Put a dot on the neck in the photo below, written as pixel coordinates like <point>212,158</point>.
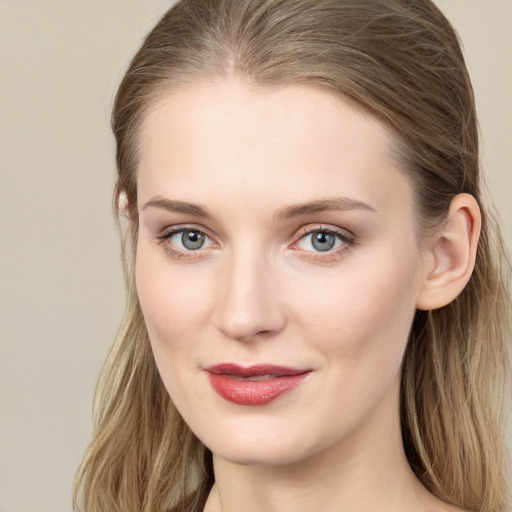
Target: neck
<point>366,471</point>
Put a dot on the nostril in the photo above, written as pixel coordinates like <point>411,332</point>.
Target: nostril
<point>254,324</point>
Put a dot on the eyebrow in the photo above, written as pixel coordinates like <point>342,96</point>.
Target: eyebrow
<point>324,205</point>
<point>297,210</point>
<point>178,207</point>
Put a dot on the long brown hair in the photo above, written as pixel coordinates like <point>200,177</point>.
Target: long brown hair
<point>399,60</point>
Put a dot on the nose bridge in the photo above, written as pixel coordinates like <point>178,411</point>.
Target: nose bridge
<point>249,301</point>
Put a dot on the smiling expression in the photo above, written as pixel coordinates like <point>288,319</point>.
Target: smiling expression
<point>275,230</point>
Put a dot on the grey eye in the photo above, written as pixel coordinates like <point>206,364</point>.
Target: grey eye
<point>192,239</point>
<point>323,240</point>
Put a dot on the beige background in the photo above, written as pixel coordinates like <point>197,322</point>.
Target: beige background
<point>61,291</point>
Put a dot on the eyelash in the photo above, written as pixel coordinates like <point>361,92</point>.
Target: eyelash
<point>345,237</point>
<point>177,253</point>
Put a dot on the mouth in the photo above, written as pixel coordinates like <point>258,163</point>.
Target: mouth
<point>254,385</point>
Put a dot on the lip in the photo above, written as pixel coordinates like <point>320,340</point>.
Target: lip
<point>267,382</point>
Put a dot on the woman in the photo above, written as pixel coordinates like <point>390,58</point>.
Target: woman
<point>317,314</point>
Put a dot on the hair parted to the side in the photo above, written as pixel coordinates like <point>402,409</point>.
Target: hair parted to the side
<point>401,61</point>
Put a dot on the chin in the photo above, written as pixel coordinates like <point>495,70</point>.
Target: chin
<point>258,456</point>
<point>265,447</point>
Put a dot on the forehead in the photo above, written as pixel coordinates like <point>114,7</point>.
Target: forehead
<point>229,140</point>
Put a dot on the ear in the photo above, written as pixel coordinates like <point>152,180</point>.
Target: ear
<point>122,204</point>
<point>123,207</point>
<point>451,254</point>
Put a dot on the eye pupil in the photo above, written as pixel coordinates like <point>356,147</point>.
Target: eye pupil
<point>192,240</point>
<point>323,241</point>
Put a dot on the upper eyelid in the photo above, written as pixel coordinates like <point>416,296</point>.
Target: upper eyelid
<point>307,230</point>
<point>166,234</point>
<point>172,230</point>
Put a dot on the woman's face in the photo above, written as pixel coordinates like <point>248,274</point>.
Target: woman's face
<point>278,268</point>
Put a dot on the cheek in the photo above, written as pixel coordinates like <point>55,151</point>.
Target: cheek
<point>175,305</point>
<point>175,302</point>
<point>359,323</point>
<point>364,315</point>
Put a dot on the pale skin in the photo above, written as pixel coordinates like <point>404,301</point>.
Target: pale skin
<point>255,171</point>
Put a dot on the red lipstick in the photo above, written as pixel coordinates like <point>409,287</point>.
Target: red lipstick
<point>253,385</point>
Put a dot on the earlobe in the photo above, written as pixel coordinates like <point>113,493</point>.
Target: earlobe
<point>452,251</point>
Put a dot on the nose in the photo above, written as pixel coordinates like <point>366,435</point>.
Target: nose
<point>249,304</point>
